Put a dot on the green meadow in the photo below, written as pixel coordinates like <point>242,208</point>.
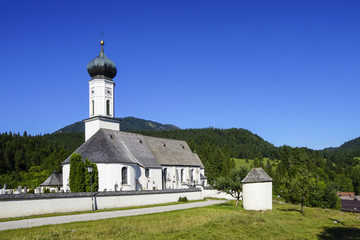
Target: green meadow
<point>249,163</point>
<point>224,221</point>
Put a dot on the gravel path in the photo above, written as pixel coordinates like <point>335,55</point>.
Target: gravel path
<point>27,223</point>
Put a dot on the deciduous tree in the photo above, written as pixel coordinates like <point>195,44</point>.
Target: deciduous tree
<point>231,184</point>
<point>299,187</point>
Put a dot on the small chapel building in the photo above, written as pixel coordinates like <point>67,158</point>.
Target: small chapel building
<point>128,161</point>
<point>257,190</point>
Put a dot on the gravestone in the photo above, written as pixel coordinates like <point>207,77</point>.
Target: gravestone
<point>25,190</point>
<point>19,189</point>
<point>38,190</point>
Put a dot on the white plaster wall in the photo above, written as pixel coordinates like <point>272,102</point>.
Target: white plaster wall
<point>109,125</point>
<point>197,172</point>
<point>148,199</point>
<point>175,182</point>
<point>213,193</point>
<point>100,87</point>
<point>196,175</point>
<point>66,176</point>
<point>170,178</point>
<point>153,181</point>
<point>257,196</point>
<point>185,180</point>
<point>110,174</point>
<point>22,208</point>
<point>156,178</point>
<point>204,183</point>
<point>93,125</point>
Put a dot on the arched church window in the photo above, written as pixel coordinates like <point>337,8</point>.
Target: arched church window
<point>108,107</point>
<point>124,177</point>
<point>92,107</point>
<point>165,172</point>
<point>147,172</point>
<point>164,178</point>
<point>182,175</point>
<point>192,175</point>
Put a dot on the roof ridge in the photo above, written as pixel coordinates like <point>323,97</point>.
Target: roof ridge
<point>167,139</point>
<point>257,175</point>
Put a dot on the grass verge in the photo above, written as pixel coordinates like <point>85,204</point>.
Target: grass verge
<point>102,210</point>
<point>224,221</point>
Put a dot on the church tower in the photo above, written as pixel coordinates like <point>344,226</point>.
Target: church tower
<point>101,95</point>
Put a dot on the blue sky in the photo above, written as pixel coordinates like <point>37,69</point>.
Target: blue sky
<point>288,71</point>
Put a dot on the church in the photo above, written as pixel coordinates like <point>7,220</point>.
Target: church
<point>128,161</point>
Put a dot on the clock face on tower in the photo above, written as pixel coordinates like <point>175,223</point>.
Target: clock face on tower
<point>92,92</point>
<point>108,92</point>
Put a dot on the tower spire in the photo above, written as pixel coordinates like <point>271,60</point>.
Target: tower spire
<point>101,95</point>
<point>102,43</point>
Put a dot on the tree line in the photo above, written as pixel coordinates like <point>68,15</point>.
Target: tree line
<point>28,160</point>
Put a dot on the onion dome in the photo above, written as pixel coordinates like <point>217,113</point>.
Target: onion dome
<point>101,65</point>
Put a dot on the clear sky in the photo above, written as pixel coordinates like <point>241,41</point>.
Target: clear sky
<point>288,71</point>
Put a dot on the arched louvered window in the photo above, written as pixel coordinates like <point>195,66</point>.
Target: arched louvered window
<point>124,175</point>
<point>92,107</point>
<point>182,175</point>
<point>192,175</point>
<point>108,108</point>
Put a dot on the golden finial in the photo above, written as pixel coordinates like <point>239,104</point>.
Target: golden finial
<point>102,37</point>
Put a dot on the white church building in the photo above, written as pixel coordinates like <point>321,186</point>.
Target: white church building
<point>128,161</point>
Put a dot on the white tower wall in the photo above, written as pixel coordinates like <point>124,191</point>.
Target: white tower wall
<point>101,106</point>
<point>101,97</point>
<point>92,125</point>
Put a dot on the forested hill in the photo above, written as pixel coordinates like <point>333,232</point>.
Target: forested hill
<point>239,143</point>
<point>29,160</point>
<point>349,146</point>
<point>126,124</point>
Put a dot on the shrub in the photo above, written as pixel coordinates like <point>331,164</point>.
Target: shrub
<point>47,190</point>
<point>183,199</point>
<point>77,174</point>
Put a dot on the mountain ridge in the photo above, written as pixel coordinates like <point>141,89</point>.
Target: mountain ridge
<point>130,124</point>
<point>126,124</point>
<point>351,145</point>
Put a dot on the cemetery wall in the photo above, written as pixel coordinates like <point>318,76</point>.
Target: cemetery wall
<point>213,193</point>
<point>21,205</point>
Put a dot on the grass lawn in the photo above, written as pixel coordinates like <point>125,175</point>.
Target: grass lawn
<point>243,163</point>
<point>223,221</point>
